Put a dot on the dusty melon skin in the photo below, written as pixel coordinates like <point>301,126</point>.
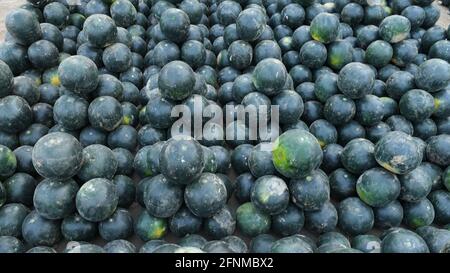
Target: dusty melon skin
<point>356,80</point>
<point>100,30</point>
<point>270,194</point>
<point>54,199</point>
<point>397,152</point>
<point>162,198</point>
<point>79,74</point>
<point>97,199</point>
<point>296,153</point>
<point>18,114</point>
<point>58,156</point>
<point>394,28</point>
<point>10,244</point>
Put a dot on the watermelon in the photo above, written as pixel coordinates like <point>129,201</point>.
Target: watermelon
<point>397,152</point>
<point>296,153</point>
<point>324,28</point>
<point>394,28</point>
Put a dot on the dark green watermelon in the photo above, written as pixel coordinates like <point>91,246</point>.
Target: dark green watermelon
<point>161,198</point>
<point>367,243</point>
<point>324,131</point>
<point>39,231</point>
<point>55,199</point>
<point>324,28</point>
<point>24,159</point>
<point>97,199</point>
<point>105,113</point>
<point>342,183</point>
<point>124,13</point>
<point>20,188</point>
<point>438,240</point>
<point>148,135</point>
<point>433,75</point>
<point>416,184</point>
<point>221,224</point>
<point>8,161</point>
<point>125,189</point>
<point>270,194</point>
<point>339,54</point>
<point>394,28</point>
<point>149,228</point>
<point>296,153</point>
<point>403,241</point>
<point>311,192</point>
<point>146,162</point>
<point>291,244</point>
<point>262,243</point>
<point>379,53</point>
<point>182,160</point>
<point>71,112</point>
<point>18,114</point>
<point>441,202</point>
<point>58,156</point>
<point>98,162</point>
<point>377,187</point>
<point>240,54</point>
<point>183,222</point>
<point>352,13</point>
<point>355,217</point>
<point>124,136</point>
<point>437,150</point>
<point>83,248</point>
<point>192,240</point>
<point>174,24</point>
<point>250,24</point>
<point>322,220</point>
<point>176,87</point>
<point>6,80</point>
<point>358,156</point>
<point>10,244</point>
<point>251,221</point>
<point>158,112</point>
<point>339,109</point>
<point>11,219</point>
<point>41,249</point>
<point>120,246</point>
<point>76,228</point>
<point>269,76</point>
<point>23,26</point>
<point>206,195</point>
<point>118,226</point>
<point>356,80</point>
<point>397,152</point>
<point>416,105</point>
<point>313,54</point>
<point>43,54</point>
<point>389,216</point>
<point>418,214</point>
<point>405,52</point>
<point>78,74</point>
<point>117,58</point>
<point>325,86</point>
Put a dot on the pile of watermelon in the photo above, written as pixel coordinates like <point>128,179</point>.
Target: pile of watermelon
<point>358,160</point>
